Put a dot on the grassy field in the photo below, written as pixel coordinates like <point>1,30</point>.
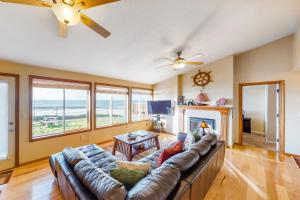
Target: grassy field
<point>40,129</point>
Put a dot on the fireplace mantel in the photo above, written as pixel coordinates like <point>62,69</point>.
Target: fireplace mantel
<point>221,109</point>
<point>224,112</point>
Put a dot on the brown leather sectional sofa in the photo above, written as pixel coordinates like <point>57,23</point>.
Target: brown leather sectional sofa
<point>193,184</point>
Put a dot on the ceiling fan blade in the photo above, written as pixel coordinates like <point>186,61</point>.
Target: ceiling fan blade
<point>62,29</point>
<point>169,59</point>
<point>29,2</point>
<point>85,4</point>
<point>196,55</point>
<point>194,63</point>
<point>163,66</point>
<point>93,25</point>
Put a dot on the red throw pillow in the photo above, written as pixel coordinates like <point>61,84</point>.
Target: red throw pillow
<point>169,152</point>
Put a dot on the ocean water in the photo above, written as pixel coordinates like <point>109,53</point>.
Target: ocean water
<point>73,107</point>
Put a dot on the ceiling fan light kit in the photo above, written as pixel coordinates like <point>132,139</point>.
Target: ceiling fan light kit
<point>180,62</point>
<point>68,13</point>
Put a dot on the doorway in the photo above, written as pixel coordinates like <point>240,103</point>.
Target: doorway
<point>9,114</point>
<point>261,113</point>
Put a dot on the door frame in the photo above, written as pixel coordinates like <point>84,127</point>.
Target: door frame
<point>281,84</point>
<point>17,81</point>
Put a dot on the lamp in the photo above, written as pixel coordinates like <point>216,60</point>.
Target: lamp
<point>203,125</point>
<point>66,14</point>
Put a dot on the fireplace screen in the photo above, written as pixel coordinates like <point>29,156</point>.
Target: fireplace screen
<point>195,123</point>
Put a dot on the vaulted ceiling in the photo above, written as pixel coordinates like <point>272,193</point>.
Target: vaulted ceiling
<point>144,32</point>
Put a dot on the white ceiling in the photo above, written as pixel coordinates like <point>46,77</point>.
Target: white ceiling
<point>143,32</point>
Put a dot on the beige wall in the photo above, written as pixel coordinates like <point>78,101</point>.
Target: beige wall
<point>222,85</point>
<point>34,150</point>
<point>274,62</point>
<point>254,106</point>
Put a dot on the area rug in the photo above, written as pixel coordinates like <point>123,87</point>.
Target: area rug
<point>297,159</point>
<point>5,176</point>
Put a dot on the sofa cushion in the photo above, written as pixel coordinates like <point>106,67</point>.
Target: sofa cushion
<point>211,138</point>
<point>73,156</point>
<point>127,176</point>
<point>157,185</point>
<point>145,167</point>
<point>98,182</point>
<point>185,160</point>
<point>169,152</point>
<point>152,159</point>
<point>202,147</point>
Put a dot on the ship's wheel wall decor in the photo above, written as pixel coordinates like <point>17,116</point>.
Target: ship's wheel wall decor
<point>202,78</point>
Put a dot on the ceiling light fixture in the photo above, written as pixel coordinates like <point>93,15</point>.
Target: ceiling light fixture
<point>66,13</point>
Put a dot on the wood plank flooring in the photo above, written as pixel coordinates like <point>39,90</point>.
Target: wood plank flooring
<point>248,173</point>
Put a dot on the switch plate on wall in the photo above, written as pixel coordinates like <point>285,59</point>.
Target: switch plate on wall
<point>298,114</point>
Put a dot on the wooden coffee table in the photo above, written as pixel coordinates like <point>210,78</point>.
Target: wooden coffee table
<point>125,145</point>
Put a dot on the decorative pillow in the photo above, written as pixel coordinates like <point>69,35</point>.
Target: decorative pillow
<point>128,177</point>
<point>98,182</point>
<point>181,137</point>
<point>169,152</point>
<point>145,167</point>
<point>73,156</point>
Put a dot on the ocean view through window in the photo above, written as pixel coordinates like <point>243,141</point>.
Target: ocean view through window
<point>139,107</point>
<point>111,105</point>
<point>59,107</point>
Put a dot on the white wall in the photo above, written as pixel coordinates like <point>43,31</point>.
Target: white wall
<point>254,106</point>
<point>274,62</point>
<point>271,113</point>
<point>168,90</point>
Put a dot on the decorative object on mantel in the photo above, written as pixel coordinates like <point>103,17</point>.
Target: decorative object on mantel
<point>202,79</point>
<point>181,100</point>
<point>202,99</point>
<point>221,102</point>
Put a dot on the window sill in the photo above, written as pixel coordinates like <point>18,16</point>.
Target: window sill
<point>34,139</point>
<point>110,126</point>
<point>144,120</point>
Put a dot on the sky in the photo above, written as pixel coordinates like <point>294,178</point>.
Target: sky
<point>57,94</point>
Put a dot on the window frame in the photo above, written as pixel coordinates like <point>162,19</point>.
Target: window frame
<point>138,88</point>
<point>95,106</point>
<point>31,138</point>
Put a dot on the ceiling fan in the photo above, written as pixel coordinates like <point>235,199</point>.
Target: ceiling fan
<point>180,62</point>
<point>68,13</point>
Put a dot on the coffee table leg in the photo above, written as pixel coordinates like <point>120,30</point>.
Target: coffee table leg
<point>129,152</point>
<point>157,143</point>
<point>114,147</point>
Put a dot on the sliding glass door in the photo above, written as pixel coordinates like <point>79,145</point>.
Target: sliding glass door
<point>7,122</point>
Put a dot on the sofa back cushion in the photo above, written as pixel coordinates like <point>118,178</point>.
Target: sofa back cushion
<point>210,138</point>
<point>185,160</point>
<point>157,185</point>
<point>73,156</point>
<point>98,182</point>
<point>202,147</point>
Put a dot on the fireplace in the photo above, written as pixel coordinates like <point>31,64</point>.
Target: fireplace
<point>195,122</point>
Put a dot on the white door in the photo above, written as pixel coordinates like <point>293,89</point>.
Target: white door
<point>277,117</point>
<point>7,122</point>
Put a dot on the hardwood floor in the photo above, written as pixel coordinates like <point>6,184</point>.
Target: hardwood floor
<point>248,173</point>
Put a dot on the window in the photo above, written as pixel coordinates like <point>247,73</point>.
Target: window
<point>59,107</point>
<point>111,105</point>
<point>139,107</point>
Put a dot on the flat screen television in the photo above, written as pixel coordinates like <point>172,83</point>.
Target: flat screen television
<point>159,107</point>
